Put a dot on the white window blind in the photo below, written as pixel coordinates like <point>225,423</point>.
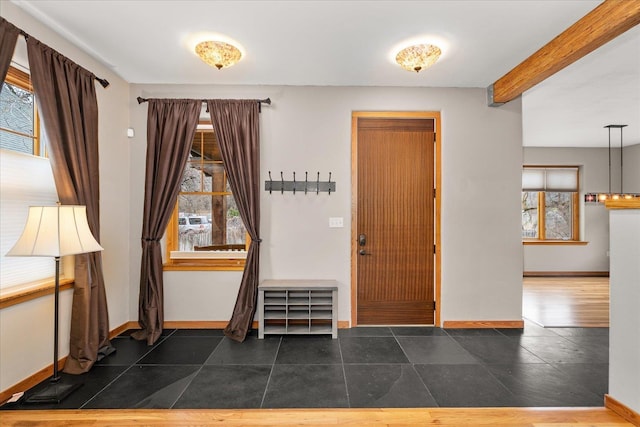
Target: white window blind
<point>25,180</point>
<point>559,179</point>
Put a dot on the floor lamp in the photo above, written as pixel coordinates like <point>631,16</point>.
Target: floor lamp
<point>55,231</point>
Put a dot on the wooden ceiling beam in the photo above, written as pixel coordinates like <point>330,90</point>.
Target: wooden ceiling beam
<point>604,23</point>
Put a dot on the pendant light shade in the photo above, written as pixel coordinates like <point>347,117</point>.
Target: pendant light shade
<point>603,197</point>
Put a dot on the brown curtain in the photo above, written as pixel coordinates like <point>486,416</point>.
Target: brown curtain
<point>8,38</point>
<point>69,109</point>
<point>171,126</point>
<point>236,124</point>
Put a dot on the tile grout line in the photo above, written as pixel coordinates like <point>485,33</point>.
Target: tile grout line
<point>273,365</point>
<point>344,373</point>
<point>150,349</point>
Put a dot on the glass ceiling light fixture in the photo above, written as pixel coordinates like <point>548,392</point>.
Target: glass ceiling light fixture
<point>418,57</point>
<point>218,54</point>
<point>603,197</point>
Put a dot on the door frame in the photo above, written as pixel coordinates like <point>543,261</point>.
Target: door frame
<point>355,115</point>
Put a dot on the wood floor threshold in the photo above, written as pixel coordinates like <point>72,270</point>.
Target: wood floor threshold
<point>443,417</point>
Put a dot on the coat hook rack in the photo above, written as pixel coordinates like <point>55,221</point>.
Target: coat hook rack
<point>306,185</point>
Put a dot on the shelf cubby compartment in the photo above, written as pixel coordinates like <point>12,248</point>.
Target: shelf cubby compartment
<point>297,307</point>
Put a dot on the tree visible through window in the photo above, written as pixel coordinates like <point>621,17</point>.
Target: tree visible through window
<point>18,114</point>
<point>550,203</point>
<point>207,216</point>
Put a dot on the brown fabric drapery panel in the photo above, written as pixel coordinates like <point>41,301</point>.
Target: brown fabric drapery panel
<point>69,109</point>
<point>8,39</point>
<point>171,126</point>
<point>236,124</point>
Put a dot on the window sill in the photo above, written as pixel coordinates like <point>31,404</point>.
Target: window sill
<point>19,294</point>
<point>200,255</point>
<point>555,242</point>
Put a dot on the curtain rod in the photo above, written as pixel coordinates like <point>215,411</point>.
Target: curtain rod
<point>103,82</point>
<point>261,101</point>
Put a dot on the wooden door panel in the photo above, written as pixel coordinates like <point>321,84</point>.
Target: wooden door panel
<point>395,213</point>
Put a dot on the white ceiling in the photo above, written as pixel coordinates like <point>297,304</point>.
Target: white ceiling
<point>352,43</point>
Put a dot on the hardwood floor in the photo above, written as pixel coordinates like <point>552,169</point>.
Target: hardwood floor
<point>566,301</point>
<point>496,417</point>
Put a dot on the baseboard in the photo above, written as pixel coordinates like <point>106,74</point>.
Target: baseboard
<point>31,381</point>
<point>621,409</point>
<point>565,274</point>
<point>483,324</point>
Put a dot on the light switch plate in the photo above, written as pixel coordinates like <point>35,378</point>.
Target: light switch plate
<point>336,222</point>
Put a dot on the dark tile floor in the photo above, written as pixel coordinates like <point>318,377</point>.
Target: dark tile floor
<point>364,367</point>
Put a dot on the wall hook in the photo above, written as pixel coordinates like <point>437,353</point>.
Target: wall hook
<point>282,180</point>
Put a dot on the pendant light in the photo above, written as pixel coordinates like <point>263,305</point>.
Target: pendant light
<point>603,197</point>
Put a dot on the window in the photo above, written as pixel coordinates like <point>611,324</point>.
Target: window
<point>19,124</point>
<point>26,180</point>
<point>550,204</point>
<point>206,231</point>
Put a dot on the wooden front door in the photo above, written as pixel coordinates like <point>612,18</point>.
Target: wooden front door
<point>394,232</point>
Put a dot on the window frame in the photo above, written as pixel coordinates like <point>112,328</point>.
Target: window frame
<point>575,211</point>
<point>27,291</point>
<point>22,80</point>
<point>200,260</point>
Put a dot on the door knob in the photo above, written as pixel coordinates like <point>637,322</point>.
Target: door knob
<point>363,252</point>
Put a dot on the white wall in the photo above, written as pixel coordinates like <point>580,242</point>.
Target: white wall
<point>26,343</point>
<point>631,169</point>
<point>594,218</point>
<point>624,339</point>
<point>309,129</point>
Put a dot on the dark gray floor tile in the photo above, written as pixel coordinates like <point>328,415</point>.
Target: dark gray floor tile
<point>434,350</point>
<point>128,351</point>
<point>571,332</point>
<point>417,331</point>
<point>198,333</point>
<point>497,350</point>
<point>560,350</point>
<point>306,386</point>
<point>308,350</point>
<point>181,350</point>
<point>543,385</point>
<point>252,351</point>
<point>371,350</point>
<point>475,332</point>
<point>155,387</point>
<point>530,329</point>
<point>592,376</point>
<point>386,386</point>
<point>597,346</point>
<point>91,383</point>
<point>237,386</point>
<point>464,386</point>
<point>365,331</point>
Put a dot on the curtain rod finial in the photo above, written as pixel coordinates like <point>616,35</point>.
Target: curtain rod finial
<point>103,82</point>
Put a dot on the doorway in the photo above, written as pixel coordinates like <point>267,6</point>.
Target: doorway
<point>395,218</point>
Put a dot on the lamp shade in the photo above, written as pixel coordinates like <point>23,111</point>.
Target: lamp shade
<point>55,231</point>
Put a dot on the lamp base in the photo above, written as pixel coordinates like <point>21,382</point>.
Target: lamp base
<point>53,393</point>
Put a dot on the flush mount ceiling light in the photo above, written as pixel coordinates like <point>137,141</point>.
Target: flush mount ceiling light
<point>418,57</point>
<point>218,54</point>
